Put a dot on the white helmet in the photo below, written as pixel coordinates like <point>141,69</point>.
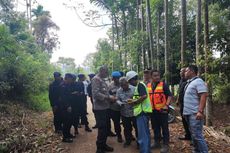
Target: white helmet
<point>130,75</point>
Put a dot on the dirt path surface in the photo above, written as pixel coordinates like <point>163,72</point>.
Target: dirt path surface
<point>85,142</point>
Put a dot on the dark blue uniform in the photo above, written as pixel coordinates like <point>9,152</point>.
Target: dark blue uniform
<point>66,102</point>
<point>82,101</point>
<point>54,97</point>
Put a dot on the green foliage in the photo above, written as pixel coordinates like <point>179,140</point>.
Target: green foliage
<point>25,69</point>
<point>39,102</point>
<point>221,94</point>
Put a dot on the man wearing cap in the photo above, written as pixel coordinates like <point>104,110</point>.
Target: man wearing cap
<point>83,102</point>
<point>89,91</point>
<point>141,107</point>
<point>147,76</point>
<point>66,106</point>
<point>54,97</point>
<point>114,110</point>
<point>101,102</point>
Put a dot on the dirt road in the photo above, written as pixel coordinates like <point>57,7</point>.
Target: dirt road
<point>85,142</point>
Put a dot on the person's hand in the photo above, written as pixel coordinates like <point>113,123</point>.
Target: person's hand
<point>112,98</point>
<point>199,116</point>
<point>69,109</point>
<point>132,102</point>
<point>166,107</point>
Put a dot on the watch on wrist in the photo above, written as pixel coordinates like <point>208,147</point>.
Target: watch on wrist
<point>200,111</point>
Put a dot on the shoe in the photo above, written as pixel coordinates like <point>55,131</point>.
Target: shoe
<point>126,144</point>
<point>76,132</point>
<point>155,145</point>
<point>72,136</point>
<point>94,127</point>
<point>79,126</point>
<point>133,138</point>
<point>100,151</point>
<point>87,129</point>
<point>164,149</point>
<point>111,134</point>
<point>138,146</point>
<point>67,140</point>
<point>108,148</point>
<point>184,138</point>
<point>119,139</point>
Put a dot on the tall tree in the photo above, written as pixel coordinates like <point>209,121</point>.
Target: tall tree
<point>198,33</point>
<point>143,49</point>
<point>183,30</point>
<point>206,50</point>
<point>150,32</point>
<point>158,37</point>
<point>166,41</point>
<point>44,30</point>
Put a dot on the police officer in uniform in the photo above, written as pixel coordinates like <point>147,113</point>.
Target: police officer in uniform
<point>54,97</point>
<point>66,106</point>
<point>83,102</point>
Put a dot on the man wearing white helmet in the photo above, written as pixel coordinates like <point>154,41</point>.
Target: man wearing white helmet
<point>141,108</point>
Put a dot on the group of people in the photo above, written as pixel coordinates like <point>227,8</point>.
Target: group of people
<point>68,99</point>
<point>133,104</point>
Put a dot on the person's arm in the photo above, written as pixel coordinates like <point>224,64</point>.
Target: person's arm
<point>168,93</point>
<point>51,99</point>
<point>200,113</point>
<point>96,92</point>
<point>202,91</point>
<point>142,93</point>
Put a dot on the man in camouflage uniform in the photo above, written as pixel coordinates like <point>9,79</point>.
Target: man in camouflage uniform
<point>101,102</point>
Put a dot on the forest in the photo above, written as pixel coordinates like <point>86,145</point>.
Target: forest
<point>165,35</point>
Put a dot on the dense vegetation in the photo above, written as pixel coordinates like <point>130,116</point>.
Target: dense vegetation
<point>25,53</point>
<point>162,35</point>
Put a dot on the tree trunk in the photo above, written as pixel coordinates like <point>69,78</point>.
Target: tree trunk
<point>124,37</point>
<point>138,29</point>
<point>209,104</point>
<point>113,40</point>
<point>158,35</point>
<point>183,31</point>
<point>198,33</point>
<point>118,42</point>
<point>149,30</point>
<point>166,41</point>
<point>142,30</point>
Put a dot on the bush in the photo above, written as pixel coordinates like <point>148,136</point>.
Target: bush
<point>38,102</point>
<point>222,93</point>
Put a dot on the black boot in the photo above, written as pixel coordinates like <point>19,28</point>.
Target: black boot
<point>87,129</point>
<point>108,149</point>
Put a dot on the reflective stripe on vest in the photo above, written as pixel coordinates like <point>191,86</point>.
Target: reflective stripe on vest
<point>144,106</point>
<point>158,98</point>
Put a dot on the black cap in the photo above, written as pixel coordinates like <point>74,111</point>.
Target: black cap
<point>91,75</point>
<point>57,74</point>
<point>68,75</point>
<point>81,75</point>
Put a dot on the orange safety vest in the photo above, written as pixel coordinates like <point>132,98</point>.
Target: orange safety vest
<point>157,97</point>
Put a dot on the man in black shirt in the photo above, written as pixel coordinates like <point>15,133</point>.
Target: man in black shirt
<point>180,101</point>
<point>83,102</point>
<point>54,97</point>
<point>160,98</point>
<point>67,100</point>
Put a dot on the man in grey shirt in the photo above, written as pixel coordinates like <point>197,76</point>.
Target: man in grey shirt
<point>101,102</point>
<point>129,121</point>
<point>114,111</point>
<point>195,93</point>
